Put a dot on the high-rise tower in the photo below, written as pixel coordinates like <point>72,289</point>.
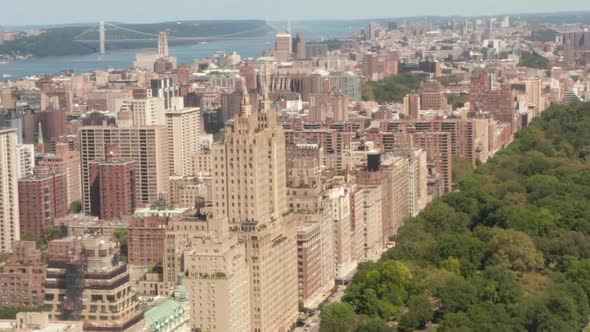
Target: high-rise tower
<point>9,216</point>
<point>250,193</point>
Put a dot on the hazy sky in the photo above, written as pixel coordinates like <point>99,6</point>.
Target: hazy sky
<point>23,12</point>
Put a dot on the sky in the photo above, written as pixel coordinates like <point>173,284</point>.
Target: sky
<point>39,12</point>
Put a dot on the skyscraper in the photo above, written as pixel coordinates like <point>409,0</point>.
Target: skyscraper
<point>299,47</point>
<point>141,112</point>
<point>283,46</point>
<point>9,213</point>
<point>165,88</point>
<point>26,159</point>
<point>183,140</point>
<point>145,145</point>
<point>250,191</point>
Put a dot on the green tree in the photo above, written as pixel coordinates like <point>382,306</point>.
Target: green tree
<point>457,100</point>
<point>461,168</point>
<point>122,238</point>
<point>380,290</point>
<point>498,285</point>
<point>421,311</point>
<point>533,60</point>
<point>456,322</point>
<point>540,186</point>
<point>448,80</point>
<point>515,250</point>
<point>338,317</point>
<point>391,89</point>
<point>452,264</point>
<point>456,295</point>
<point>76,207</point>
<point>374,325</point>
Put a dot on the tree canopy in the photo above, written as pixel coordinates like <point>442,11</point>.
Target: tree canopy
<point>533,60</point>
<point>391,89</point>
<point>508,251</point>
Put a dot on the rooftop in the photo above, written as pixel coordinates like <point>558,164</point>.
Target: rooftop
<point>162,313</point>
<point>8,325</point>
<point>161,212</point>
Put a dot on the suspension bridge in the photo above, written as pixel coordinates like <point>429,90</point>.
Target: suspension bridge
<point>128,35</point>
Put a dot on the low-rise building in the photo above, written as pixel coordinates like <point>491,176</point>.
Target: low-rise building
<point>22,278</point>
<point>86,281</point>
<point>38,322</point>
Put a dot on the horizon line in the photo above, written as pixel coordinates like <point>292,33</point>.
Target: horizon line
<point>567,12</point>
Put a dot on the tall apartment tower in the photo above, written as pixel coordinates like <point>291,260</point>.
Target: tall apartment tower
<point>283,46</point>
<point>64,161</point>
<point>26,159</point>
<point>250,185</point>
<point>112,185</point>
<point>9,213</point>
<point>41,200</point>
<point>299,47</point>
<point>141,112</point>
<point>165,88</point>
<point>283,42</point>
<point>145,145</point>
<point>412,106</point>
<point>183,140</point>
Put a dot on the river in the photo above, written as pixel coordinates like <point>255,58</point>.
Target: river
<point>124,58</point>
<point>312,30</point>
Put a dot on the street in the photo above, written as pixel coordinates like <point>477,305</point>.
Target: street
<point>312,323</point>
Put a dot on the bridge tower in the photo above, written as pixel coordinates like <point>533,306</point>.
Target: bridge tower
<point>101,37</point>
<point>163,44</point>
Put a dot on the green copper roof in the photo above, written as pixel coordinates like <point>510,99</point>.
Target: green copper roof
<point>164,315</point>
<point>181,293</point>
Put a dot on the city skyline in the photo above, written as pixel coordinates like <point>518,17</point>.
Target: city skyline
<point>383,174</point>
<point>39,12</point>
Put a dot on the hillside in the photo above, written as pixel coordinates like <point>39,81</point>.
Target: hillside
<point>508,251</point>
<point>60,41</point>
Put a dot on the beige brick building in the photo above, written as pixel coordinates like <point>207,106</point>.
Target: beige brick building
<point>216,275</point>
<point>250,190</point>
